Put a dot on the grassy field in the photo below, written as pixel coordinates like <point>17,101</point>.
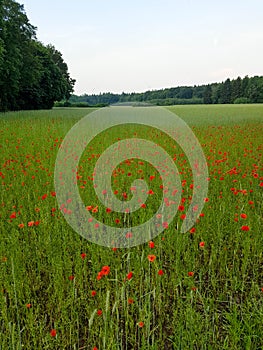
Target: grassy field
<point>199,290</point>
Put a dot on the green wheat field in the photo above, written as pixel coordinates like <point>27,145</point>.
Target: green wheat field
<point>202,289</point>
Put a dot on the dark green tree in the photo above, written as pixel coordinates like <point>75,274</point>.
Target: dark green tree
<point>208,95</point>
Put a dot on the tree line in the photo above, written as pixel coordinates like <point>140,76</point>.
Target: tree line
<point>246,90</point>
<point>32,75</point>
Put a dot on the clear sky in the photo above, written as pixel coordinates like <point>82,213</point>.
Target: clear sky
<point>116,46</point>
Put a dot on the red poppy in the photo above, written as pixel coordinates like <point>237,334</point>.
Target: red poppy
<point>160,272</point>
<point>165,224</point>
<point>192,230</point>
<point>201,244</point>
<point>105,270</point>
<point>53,333</point>
<point>99,312</point>
<point>243,216</point>
<point>190,273</point>
<point>93,293</point>
<point>83,256</point>
<point>28,306</point>
<point>245,228</point>
<point>129,275</point>
<point>151,244</point>
<point>151,257</point>
<point>141,324</point>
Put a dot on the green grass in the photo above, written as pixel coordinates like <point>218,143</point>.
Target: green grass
<point>219,306</point>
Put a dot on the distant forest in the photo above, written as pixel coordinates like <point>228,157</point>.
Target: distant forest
<point>246,90</point>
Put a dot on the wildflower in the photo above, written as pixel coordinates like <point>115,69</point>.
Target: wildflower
<point>141,324</point>
<point>53,333</point>
<point>93,293</point>
<point>192,230</point>
<point>245,228</point>
<point>243,216</point>
<point>160,272</point>
<point>165,224</point>
<point>71,278</point>
<point>83,256</point>
<point>21,225</point>
<point>99,276</point>
<point>30,223</point>
<point>105,270</point>
<point>129,275</point>
<point>201,244</point>
<point>151,257</point>
<point>99,312</point>
<point>28,306</point>
<point>190,273</point>
<point>150,192</point>
<point>151,244</point>
<point>13,216</point>
<point>130,301</point>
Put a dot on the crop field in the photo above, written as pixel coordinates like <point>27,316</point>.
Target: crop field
<point>201,289</point>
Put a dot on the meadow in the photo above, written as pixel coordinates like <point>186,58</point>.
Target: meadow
<point>202,289</point>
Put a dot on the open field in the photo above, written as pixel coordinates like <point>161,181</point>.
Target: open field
<point>199,290</point>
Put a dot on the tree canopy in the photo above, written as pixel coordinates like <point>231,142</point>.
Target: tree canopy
<point>32,75</point>
<point>246,90</point>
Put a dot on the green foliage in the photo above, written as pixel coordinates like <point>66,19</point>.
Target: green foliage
<point>218,306</point>
<point>225,92</point>
<point>32,76</point>
<point>241,100</point>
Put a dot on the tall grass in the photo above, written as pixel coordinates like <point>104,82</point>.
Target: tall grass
<point>189,297</point>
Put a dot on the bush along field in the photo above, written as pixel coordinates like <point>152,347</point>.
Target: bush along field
<point>202,289</point>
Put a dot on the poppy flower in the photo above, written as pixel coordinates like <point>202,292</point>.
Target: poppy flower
<point>151,257</point>
<point>83,256</point>
<point>243,216</point>
<point>245,228</point>
<point>160,272</point>
<point>190,273</point>
<point>99,312</point>
<point>129,275</point>
<point>201,244</point>
<point>53,333</point>
<point>105,270</point>
<point>165,224</point>
<point>130,301</point>
<point>93,293</point>
<point>151,244</point>
<point>13,216</point>
<point>141,324</point>
<point>28,306</point>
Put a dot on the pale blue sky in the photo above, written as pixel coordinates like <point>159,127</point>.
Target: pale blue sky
<point>112,45</point>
